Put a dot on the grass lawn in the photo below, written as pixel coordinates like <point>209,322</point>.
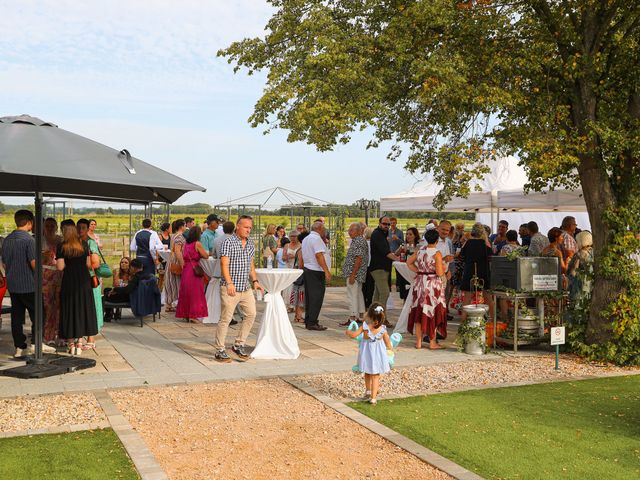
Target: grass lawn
<point>570,430</point>
<point>89,455</point>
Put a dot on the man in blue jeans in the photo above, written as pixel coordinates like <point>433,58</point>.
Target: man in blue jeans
<point>19,259</point>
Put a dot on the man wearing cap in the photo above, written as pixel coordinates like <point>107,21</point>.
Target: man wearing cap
<point>208,237</point>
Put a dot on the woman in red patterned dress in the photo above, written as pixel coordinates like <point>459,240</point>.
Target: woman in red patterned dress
<point>429,307</point>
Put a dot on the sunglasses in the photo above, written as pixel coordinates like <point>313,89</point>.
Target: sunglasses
<point>386,224</point>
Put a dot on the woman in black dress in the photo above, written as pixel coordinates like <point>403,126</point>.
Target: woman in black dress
<point>77,304</point>
<point>475,254</point>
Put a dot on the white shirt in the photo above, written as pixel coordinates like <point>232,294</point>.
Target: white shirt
<point>154,242</point>
<point>445,248</point>
<point>311,245</point>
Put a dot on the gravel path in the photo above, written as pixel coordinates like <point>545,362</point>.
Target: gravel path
<point>259,430</point>
<point>45,411</point>
<point>456,376</point>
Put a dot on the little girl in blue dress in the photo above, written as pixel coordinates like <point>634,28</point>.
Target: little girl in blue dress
<point>372,354</point>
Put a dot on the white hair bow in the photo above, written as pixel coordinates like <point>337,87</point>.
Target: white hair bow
<point>378,309</point>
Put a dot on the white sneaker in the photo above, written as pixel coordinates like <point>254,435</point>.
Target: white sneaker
<point>20,352</point>
<point>48,348</point>
<point>45,349</point>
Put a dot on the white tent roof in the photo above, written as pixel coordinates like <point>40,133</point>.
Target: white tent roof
<point>556,200</point>
<point>505,174</point>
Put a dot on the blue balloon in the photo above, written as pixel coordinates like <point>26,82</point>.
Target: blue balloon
<point>395,338</point>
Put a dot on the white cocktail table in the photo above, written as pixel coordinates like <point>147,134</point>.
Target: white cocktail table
<point>276,339</point>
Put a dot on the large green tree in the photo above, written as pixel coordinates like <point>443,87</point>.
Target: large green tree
<point>449,84</point>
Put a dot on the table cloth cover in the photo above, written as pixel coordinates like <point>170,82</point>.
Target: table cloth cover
<point>409,276</point>
<point>165,254</point>
<point>212,294</point>
<point>276,339</point>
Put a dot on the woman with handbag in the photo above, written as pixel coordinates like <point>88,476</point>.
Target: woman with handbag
<point>191,300</point>
<point>77,302</point>
<point>297,288</point>
<point>100,270</point>
<point>173,271</point>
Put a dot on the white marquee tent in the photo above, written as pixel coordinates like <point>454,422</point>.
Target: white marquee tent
<point>505,174</point>
<point>499,195</point>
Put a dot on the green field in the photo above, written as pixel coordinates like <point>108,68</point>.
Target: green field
<point>114,230</point>
<point>582,430</point>
<point>119,224</point>
<point>87,455</point>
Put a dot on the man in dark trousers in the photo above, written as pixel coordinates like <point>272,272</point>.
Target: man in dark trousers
<point>316,275</point>
<point>146,244</point>
<point>381,260</point>
<point>19,258</point>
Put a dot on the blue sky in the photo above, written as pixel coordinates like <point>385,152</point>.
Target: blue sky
<point>143,75</point>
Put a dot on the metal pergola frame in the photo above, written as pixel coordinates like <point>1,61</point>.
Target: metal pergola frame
<point>296,201</point>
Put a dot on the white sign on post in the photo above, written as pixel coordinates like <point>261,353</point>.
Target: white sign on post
<point>557,336</point>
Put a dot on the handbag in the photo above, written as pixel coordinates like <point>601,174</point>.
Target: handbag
<point>175,268</point>
<point>198,271</point>
<point>267,253</point>
<point>298,282</point>
<point>103,271</point>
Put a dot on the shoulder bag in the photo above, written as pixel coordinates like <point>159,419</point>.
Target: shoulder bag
<point>175,267</point>
<point>298,282</point>
<point>103,271</point>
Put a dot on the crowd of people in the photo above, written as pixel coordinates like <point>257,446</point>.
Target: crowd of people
<point>448,261</point>
<point>72,304</point>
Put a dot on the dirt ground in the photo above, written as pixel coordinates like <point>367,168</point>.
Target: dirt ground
<point>259,430</point>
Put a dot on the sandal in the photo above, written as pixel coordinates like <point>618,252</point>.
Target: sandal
<point>299,320</point>
<point>88,346</point>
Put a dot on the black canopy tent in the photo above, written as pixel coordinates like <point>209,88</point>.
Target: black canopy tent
<point>37,158</point>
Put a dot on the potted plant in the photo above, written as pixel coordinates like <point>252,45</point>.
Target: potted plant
<point>527,319</point>
<point>472,333</point>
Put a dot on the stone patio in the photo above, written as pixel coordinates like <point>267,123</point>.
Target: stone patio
<point>171,351</point>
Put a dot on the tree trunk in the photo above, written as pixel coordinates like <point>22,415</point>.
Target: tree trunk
<point>599,197</point>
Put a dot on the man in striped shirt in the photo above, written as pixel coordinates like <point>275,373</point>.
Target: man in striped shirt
<point>19,259</point>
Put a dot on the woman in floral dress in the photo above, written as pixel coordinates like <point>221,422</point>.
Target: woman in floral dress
<point>51,280</point>
<point>428,313</point>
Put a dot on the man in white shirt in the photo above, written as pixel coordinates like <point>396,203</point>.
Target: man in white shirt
<point>316,275</point>
<point>445,246</point>
<point>146,244</point>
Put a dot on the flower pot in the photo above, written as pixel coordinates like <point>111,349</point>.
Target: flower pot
<point>472,347</point>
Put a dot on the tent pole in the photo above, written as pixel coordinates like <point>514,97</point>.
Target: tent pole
<point>37,323</point>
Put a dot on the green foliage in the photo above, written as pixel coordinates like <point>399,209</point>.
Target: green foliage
<point>450,84</point>
<point>584,430</point>
<point>340,246</point>
<point>624,311</point>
